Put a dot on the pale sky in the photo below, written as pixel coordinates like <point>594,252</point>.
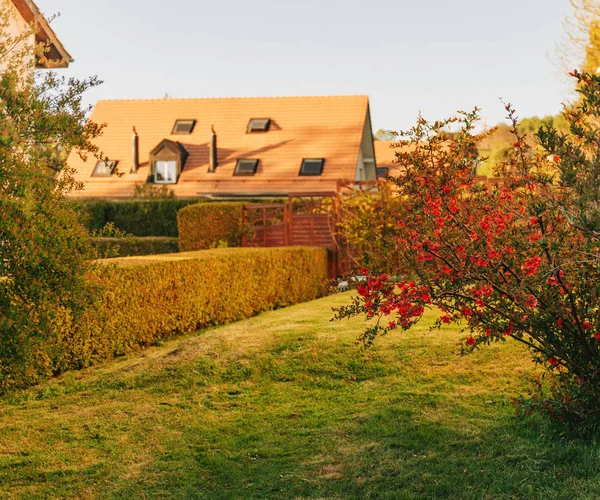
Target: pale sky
<point>433,56</point>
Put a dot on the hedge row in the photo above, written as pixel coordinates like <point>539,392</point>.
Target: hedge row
<point>139,217</point>
<point>142,245</point>
<point>146,299</point>
<point>210,225</point>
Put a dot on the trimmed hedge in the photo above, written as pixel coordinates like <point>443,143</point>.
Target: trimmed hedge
<point>139,217</point>
<point>142,245</point>
<point>146,299</point>
<point>209,225</point>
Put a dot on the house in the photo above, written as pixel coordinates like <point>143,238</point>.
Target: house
<point>385,152</point>
<point>25,19</point>
<point>215,147</point>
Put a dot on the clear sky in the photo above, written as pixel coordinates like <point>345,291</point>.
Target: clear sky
<point>434,56</point>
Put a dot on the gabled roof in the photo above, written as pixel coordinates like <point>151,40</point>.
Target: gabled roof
<point>57,56</point>
<point>175,147</point>
<point>301,127</point>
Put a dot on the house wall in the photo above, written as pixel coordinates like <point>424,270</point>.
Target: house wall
<point>366,169</point>
<point>16,27</point>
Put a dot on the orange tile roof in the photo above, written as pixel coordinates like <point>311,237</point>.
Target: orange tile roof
<point>301,127</point>
<point>57,56</point>
<point>385,155</point>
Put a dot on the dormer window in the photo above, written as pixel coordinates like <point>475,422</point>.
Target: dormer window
<point>166,162</point>
<point>104,168</point>
<point>259,125</point>
<point>312,166</point>
<point>183,127</point>
<point>245,167</point>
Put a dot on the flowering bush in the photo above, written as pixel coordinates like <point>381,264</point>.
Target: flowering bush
<point>520,260</point>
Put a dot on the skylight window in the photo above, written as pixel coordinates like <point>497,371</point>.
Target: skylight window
<point>312,166</point>
<point>245,167</point>
<point>183,127</point>
<point>259,125</point>
<point>104,169</point>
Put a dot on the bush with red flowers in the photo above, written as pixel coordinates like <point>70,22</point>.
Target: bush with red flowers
<point>520,260</point>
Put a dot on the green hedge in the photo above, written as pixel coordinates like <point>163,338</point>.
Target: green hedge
<point>209,225</point>
<point>142,245</point>
<point>146,299</point>
<point>140,217</point>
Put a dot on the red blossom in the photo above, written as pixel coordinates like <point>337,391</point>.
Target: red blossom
<point>531,265</point>
<point>471,340</point>
<point>531,302</point>
<point>587,325</point>
<point>552,361</point>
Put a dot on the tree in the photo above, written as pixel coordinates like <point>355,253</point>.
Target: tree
<point>44,250</point>
<point>580,47</point>
<point>519,261</point>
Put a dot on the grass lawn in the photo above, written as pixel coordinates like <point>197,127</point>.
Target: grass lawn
<point>285,405</point>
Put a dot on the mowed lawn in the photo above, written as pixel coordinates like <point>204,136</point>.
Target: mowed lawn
<point>285,405</point>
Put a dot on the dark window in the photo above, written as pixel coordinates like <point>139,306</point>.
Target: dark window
<point>183,127</point>
<point>259,125</point>
<point>245,167</point>
<point>104,169</point>
<point>382,172</point>
<point>312,166</point>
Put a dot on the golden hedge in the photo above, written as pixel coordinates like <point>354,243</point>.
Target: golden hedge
<point>210,225</point>
<point>150,298</point>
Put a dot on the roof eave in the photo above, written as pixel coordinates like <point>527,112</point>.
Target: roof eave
<point>57,56</point>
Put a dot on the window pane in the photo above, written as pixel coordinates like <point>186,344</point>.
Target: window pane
<point>104,169</point>
<point>165,172</point>
<point>312,166</point>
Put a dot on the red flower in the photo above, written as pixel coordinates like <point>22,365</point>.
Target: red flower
<point>531,265</point>
<point>531,301</point>
<point>471,340</point>
<point>587,325</point>
<point>597,335</point>
<point>552,361</point>
<point>467,312</point>
<point>363,290</point>
<point>559,323</point>
<point>446,318</point>
<point>516,144</point>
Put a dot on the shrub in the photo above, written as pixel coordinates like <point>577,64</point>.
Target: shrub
<point>44,250</point>
<point>367,223</point>
<point>517,261</point>
<point>146,299</point>
<point>208,225</point>
<point>131,246</point>
<point>137,216</point>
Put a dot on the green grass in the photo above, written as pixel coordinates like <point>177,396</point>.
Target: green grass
<point>285,405</point>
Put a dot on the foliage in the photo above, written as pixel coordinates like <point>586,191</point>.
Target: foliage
<point>44,251</point>
<point>367,221</point>
<point>152,216</point>
<point>385,135</point>
<point>208,225</point>
<point>146,299</point>
<point>135,245</point>
<point>520,260</point>
<point>498,147</point>
<point>580,47</point>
